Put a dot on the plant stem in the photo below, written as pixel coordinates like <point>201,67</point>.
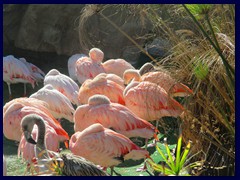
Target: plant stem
<point>227,66</point>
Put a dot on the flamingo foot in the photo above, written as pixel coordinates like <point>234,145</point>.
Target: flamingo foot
<point>141,169</point>
<point>151,145</point>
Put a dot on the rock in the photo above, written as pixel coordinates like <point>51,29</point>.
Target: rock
<point>54,28</point>
<point>158,48</point>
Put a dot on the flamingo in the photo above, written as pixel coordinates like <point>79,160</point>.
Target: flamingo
<point>113,77</point>
<point>86,68</point>
<point>105,147</point>
<point>63,84</point>
<point>116,66</point>
<point>96,55</point>
<point>59,105</point>
<point>4,166</point>
<point>37,73</point>
<point>27,102</point>
<point>71,65</point>
<point>101,85</point>
<point>161,78</point>
<point>72,165</point>
<point>15,71</point>
<point>112,115</point>
<point>150,102</point>
<point>26,150</point>
<point>14,114</point>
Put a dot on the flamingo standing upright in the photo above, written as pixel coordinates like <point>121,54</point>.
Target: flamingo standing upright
<point>71,65</point>
<point>15,71</point>
<point>101,85</point>
<point>52,140</point>
<point>105,147</point>
<point>70,165</point>
<point>63,84</point>
<point>116,66</point>
<point>59,105</point>
<point>112,115</point>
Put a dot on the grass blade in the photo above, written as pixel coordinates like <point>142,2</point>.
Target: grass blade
<point>184,156</point>
<point>179,144</point>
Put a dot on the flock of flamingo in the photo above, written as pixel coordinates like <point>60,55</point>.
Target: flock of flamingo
<point>108,102</point>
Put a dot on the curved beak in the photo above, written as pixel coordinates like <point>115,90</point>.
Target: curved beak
<point>29,138</point>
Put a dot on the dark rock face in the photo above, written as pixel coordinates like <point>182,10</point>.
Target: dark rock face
<point>54,29</point>
<point>43,28</point>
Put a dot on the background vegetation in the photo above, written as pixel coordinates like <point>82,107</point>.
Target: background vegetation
<point>203,57</point>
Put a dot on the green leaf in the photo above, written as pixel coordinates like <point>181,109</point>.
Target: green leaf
<point>172,165</point>
<point>199,10</point>
<point>184,156</point>
<point>179,144</point>
<point>160,168</point>
<point>201,70</point>
<point>163,156</point>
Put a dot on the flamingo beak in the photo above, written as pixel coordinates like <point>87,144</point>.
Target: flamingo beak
<point>29,138</point>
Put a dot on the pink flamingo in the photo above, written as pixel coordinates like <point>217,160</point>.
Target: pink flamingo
<point>86,68</point>
<point>161,78</point>
<point>59,105</point>
<point>52,140</point>
<point>112,115</point>
<point>63,84</point>
<point>27,102</point>
<point>105,147</point>
<point>71,65</point>
<point>101,85</point>
<point>37,73</point>
<point>113,77</point>
<point>14,114</point>
<point>96,55</point>
<point>116,66</point>
<point>150,102</point>
<point>15,71</point>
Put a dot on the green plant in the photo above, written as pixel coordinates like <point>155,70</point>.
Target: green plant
<point>176,164</point>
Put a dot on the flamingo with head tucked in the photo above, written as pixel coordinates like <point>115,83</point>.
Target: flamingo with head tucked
<point>63,84</point>
<point>15,71</point>
<point>37,73</point>
<point>59,105</point>
<point>71,65</point>
<point>150,102</point>
<point>104,85</point>
<point>112,115</point>
<point>89,67</point>
<point>148,73</point>
<point>116,66</point>
<point>105,147</point>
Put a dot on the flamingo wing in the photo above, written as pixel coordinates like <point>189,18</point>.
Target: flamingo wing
<point>104,147</point>
<point>59,105</point>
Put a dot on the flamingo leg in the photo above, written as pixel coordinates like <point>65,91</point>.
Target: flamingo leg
<point>112,170</point>
<point>142,168</point>
<point>25,90</point>
<point>9,91</point>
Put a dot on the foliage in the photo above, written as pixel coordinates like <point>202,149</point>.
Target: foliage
<point>176,164</point>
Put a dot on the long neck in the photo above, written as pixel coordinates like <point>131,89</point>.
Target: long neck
<point>40,148</point>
